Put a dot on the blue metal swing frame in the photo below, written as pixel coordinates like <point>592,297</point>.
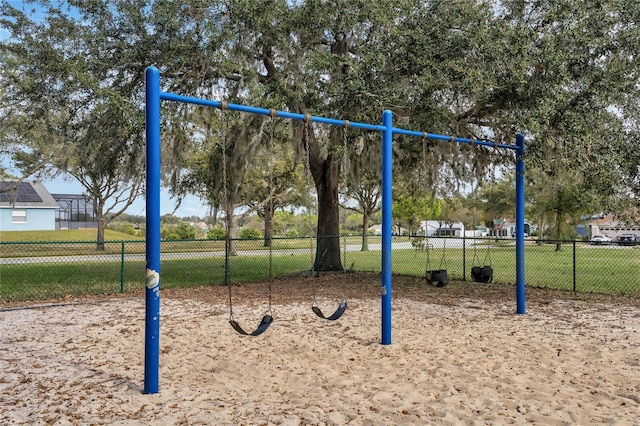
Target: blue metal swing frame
<point>153,99</point>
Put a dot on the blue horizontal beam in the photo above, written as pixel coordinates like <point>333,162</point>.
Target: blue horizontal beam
<point>468,141</point>
<point>270,112</point>
<point>317,119</point>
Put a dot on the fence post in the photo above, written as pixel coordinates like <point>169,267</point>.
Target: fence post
<point>464,256</point>
<point>122,267</point>
<point>574,266</point>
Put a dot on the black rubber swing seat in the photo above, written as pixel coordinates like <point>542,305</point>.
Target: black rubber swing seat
<point>337,314</point>
<point>437,277</point>
<point>264,324</point>
<point>482,274</point>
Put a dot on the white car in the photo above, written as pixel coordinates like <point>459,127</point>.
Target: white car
<point>600,239</point>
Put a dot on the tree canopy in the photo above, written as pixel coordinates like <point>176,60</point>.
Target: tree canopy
<point>563,73</point>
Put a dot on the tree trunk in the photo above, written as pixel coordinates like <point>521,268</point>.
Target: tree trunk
<point>100,233</point>
<point>558,230</point>
<point>268,216</point>
<point>213,214</point>
<point>328,237</point>
<point>365,233</point>
<point>326,176</point>
<point>541,223</point>
<point>100,236</point>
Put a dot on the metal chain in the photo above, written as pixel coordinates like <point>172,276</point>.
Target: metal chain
<point>345,165</point>
<point>272,114</point>
<point>227,242</point>
<point>307,173</point>
<point>426,178</point>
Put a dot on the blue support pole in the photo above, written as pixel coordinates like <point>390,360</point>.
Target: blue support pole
<point>520,288</point>
<point>387,199</point>
<point>152,294</point>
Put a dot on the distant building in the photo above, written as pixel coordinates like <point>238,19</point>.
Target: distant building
<point>609,226</point>
<point>430,228</point>
<point>479,231</point>
<point>26,206</point>
<point>507,228</point>
<point>76,211</point>
<point>376,229</point>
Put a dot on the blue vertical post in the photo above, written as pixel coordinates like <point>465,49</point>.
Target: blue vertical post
<point>520,289</point>
<point>387,199</point>
<point>152,294</point>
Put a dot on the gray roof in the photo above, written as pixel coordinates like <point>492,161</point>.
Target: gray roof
<point>47,201</point>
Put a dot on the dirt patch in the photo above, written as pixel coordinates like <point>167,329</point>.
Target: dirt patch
<point>367,286</point>
<point>357,285</point>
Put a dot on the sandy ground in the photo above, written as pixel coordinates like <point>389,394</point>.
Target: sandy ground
<point>459,356</point>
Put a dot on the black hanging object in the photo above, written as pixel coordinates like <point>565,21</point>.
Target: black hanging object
<point>482,274</point>
<point>337,314</point>
<point>264,324</point>
<point>437,277</point>
<point>475,273</point>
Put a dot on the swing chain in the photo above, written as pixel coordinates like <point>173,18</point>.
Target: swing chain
<point>345,166</point>
<point>225,196</point>
<point>273,114</point>
<point>443,260</point>
<point>307,174</point>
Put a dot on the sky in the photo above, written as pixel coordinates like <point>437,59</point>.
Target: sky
<point>191,206</point>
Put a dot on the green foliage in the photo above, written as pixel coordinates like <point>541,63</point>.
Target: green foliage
<point>563,73</point>
<point>180,231</point>
<point>411,211</point>
<point>126,227</point>
<point>250,234</point>
<point>170,219</point>
<point>75,109</point>
<point>186,231</point>
<point>216,233</point>
<point>353,222</point>
<point>283,221</point>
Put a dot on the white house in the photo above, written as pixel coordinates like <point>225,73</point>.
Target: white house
<point>430,228</point>
<point>376,229</point>
<point>608,225</point>
<point>507,227</point>
<point>26,206</point>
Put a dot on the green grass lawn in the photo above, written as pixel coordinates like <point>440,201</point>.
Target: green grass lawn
<point>83,242</point>
<point>86,234</point>
<point>597,269</point>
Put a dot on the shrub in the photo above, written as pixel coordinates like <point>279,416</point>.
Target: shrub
<point>124,227</point>
<point>250,234</point>
<point>186,231</point>
<point>216,233</point>
<point>181,231</point>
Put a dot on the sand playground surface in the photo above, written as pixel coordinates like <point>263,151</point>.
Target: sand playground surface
<point>459,355</point>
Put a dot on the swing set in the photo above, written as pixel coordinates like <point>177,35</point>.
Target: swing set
<point>267,319</point>
<point>153,98</point>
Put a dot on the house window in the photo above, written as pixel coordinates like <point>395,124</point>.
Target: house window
<point>18,216</point>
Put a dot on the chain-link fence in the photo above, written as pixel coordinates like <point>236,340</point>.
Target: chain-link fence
<point>54,270</point>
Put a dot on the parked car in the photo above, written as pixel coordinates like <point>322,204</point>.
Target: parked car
<point>627,240</point>
<point>600,239</point>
